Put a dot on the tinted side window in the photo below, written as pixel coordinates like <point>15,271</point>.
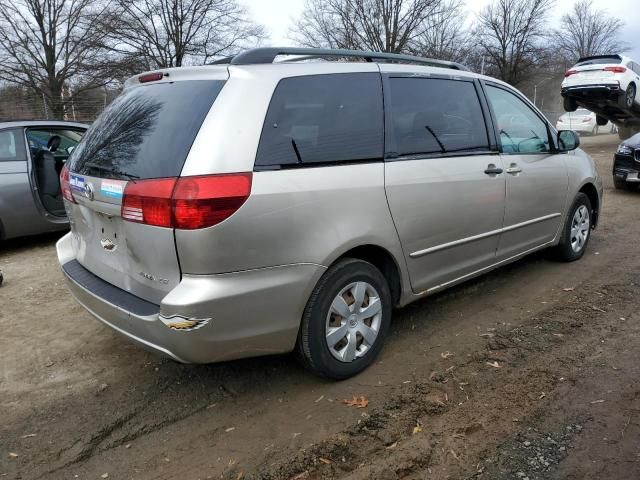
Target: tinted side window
<point>323,118</point>
<point>521,130</point>
<point>12,146</point>
<point>436,116</point>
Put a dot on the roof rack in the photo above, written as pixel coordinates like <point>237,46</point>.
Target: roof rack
<point>268,55</point>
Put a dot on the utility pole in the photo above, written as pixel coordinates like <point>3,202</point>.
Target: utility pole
<point>46,112</point>
<point>535,89</point>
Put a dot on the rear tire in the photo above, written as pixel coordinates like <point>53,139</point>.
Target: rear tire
<point>629,98</point>
<point>340,346</point>
<point>576,231</point>
<point>601,121</point>
<point>569,104</point>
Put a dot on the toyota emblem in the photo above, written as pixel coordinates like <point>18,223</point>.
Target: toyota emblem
<point>88,191</point>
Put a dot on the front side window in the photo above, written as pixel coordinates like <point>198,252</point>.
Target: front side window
<point>521,130</point>
<point>12,146</point>
<point>432,116</point>
<point>59,141</point>
<point>323,119</point>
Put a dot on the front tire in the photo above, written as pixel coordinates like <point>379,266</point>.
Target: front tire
<point>569,104</point>
<point>576,231</point>
<point>619,184</point>
<point>625,133</point>
<point>346,320</point>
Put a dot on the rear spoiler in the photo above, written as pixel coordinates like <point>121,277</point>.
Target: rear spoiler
<point>599,57</point>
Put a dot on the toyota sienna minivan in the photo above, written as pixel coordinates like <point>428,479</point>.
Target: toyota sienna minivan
<point>278,201</point>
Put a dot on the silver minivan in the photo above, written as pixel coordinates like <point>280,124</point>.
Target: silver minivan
<point>268,205</point>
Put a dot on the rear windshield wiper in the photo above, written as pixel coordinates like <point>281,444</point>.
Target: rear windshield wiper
<point>113,170</point>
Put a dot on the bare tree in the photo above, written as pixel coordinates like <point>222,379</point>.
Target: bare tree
<point>378,25</point>
<point>445,35</point>
<point>510,36</point>
<point>586,31</point>
<point>173,33</point>
<point>46,45</point>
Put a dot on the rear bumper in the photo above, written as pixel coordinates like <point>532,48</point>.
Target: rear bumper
<point>576,127</point>
<point>611,91</point>
<point>206,318</point>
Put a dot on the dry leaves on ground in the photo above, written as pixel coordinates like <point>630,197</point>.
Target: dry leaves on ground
<point>358,402</point>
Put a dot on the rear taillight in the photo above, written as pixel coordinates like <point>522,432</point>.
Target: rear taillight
<point>586,119</point>
<point>149,201</point>
<point>568,73</point>
<point>65,185</point>
<point>614,69</point>
<point>151,77</point>
<point>186,203</point>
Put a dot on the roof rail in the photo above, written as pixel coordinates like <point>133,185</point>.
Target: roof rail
<point>268,55</point>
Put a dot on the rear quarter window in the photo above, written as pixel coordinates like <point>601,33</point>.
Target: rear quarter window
<point>323,119</point>
<point>147,131</point>
<point>12,146</point>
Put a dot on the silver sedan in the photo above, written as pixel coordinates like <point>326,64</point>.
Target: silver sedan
<point>32,154</point>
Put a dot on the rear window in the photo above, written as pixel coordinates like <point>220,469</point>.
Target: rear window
<point>599,61</point>
<point>147,131</point>
<point>323,119</point>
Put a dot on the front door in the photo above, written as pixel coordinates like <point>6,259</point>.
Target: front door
<point>537,179</point>
<point>444,182</point>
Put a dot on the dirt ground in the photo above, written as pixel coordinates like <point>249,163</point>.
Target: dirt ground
<point>530,372</point>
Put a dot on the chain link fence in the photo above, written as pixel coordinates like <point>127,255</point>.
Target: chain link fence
<point>20,104</point>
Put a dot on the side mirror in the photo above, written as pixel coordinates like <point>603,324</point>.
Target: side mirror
<point>568,140</point>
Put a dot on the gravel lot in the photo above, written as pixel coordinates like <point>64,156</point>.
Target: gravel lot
<point>528,372</point>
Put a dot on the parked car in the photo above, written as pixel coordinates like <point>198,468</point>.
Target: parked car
<point>607,85</point>
<point>583,121</point>
<point>256,208</point>
<point>32,154</point>
<point>626,164</point>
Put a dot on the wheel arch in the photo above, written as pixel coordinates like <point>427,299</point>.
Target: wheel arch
<point>383,260</point>
<point>590,190</point>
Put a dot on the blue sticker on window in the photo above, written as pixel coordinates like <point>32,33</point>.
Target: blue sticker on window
<point>76,183</point>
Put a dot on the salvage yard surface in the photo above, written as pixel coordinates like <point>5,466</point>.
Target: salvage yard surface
<point>528,372</point>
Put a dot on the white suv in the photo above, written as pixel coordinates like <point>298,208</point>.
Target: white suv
<point>605,84</point>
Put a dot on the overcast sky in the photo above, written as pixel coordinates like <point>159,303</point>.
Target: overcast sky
<point>279,15</point>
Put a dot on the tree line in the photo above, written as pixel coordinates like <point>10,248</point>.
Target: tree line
<point>63,50</point>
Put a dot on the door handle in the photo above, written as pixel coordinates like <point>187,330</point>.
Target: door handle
<point>514,169</point>
<point>493,170</point>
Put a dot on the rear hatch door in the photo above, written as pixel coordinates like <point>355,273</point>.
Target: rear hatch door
<point>146,133</point>
<point>600,71</point>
